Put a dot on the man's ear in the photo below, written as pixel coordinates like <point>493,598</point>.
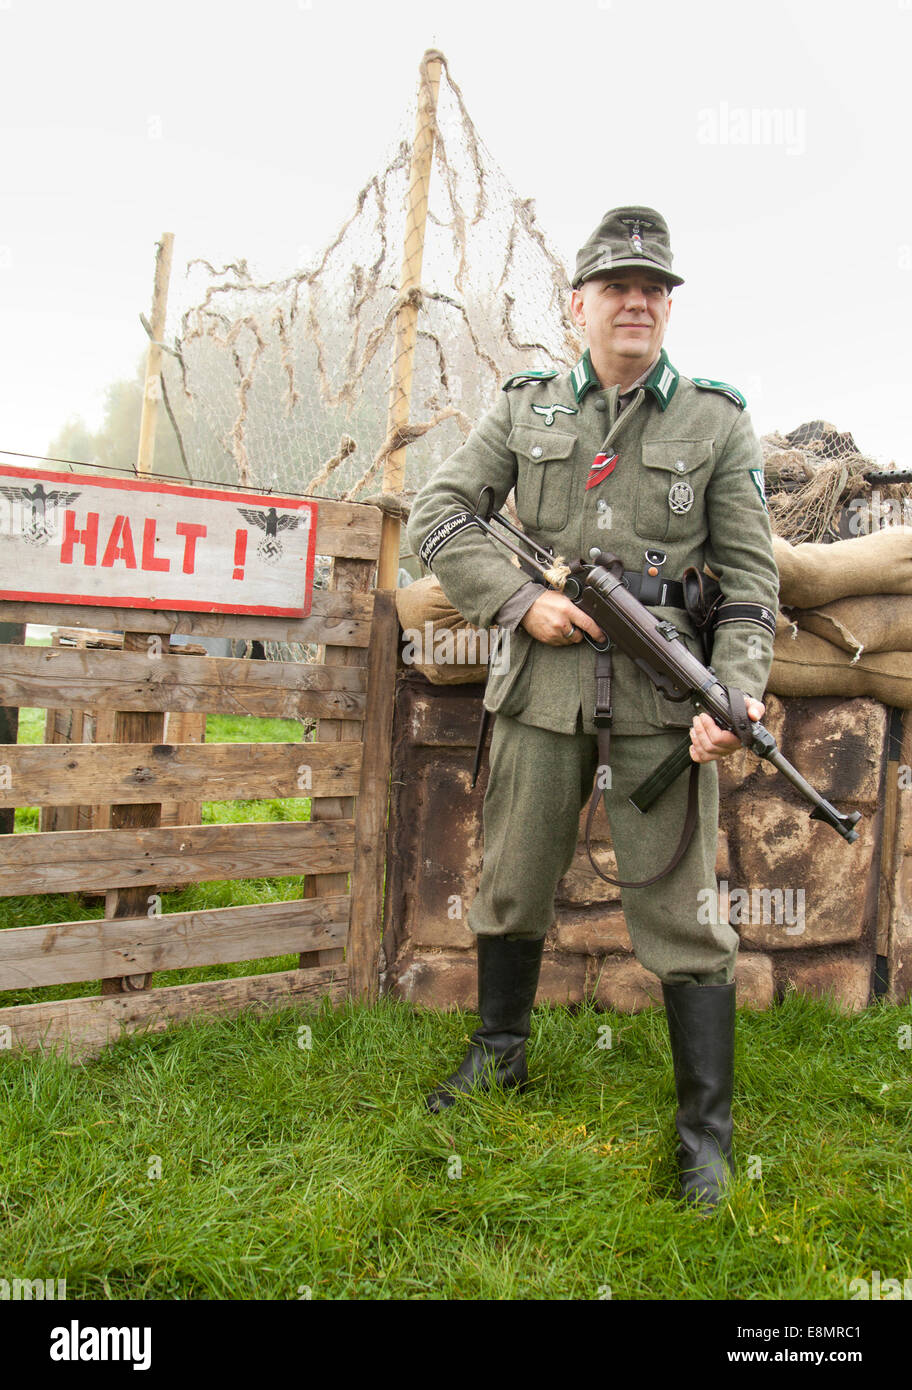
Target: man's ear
<point>577,311</point>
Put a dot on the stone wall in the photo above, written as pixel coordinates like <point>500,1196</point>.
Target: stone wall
<point>846,933</point>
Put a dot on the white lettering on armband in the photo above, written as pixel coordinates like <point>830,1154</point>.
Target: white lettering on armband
<point>442,533</point>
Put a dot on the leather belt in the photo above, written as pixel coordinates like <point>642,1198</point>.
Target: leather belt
<point>655,592</point>
<point>660,593</point>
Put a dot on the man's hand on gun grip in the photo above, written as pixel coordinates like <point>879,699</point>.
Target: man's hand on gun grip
<point>709,742</point>
<point>555,620</point>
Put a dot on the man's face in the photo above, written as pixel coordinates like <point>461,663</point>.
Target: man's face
<point>623,314</point>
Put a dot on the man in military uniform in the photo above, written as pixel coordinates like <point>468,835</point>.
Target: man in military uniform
<point>624,453</point>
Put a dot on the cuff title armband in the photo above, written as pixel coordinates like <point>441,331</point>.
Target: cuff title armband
<point>747,613</point>
<point>442,533</point>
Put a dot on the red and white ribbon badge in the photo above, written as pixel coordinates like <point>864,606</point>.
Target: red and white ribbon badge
<point>604,464</point>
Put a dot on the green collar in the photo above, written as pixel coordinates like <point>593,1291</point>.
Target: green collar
<point>583,376</point>
<point>663,379</point>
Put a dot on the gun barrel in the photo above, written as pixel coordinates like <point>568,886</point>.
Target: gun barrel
<point>823,810</point>
<point>654,645</point>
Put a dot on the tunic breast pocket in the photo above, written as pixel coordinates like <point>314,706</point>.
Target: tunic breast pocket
<point>670,489</point>
<point>544,475</point>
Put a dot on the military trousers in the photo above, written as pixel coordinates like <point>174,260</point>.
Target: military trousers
<point>538,784</point>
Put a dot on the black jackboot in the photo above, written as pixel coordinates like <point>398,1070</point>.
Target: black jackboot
<point>701,1026</point>
<point>507,980</point>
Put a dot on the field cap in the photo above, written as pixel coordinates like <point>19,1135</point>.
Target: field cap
<point>625,237</point>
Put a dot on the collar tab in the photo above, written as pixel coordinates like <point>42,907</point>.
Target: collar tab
<point>583,376</point>
<point>663,380</point>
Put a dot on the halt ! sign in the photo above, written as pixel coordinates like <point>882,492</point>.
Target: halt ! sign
<point>76,538</point>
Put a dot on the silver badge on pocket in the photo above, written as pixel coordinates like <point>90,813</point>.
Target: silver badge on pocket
<point>680,497</point>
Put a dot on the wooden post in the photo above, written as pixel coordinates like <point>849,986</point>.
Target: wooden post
<point>349,576</point>
<point>407,317</point>
<point>10,633</point>
<point>372,806</point>
<point>152,389</point>
<point>144,726</point>
<point>355,576</point>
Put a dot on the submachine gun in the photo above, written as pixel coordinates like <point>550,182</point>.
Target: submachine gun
<point>653,644</point>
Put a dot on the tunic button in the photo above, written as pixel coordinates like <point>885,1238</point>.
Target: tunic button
<point>537,451</point>
<point>601,403</point>
<point>680,465</point>
<point>601,505</point>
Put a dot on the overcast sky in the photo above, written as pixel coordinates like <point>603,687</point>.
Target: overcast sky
<point>248,128</point>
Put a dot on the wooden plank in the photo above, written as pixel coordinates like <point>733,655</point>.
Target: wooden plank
<point>134,681</point>
<point>131,727</point>
<point>93,861</point>
<point>183,726</point>
<point>349,529</point>
<point>351,577</point>
<point>87,637</point>
<point>98,727</point>
<point>336,618</point>
<point>112,947</point>
<point>60,726</point>
<point>81,773</point>
<point>52,816</point>
<point>81,1028</point>
<point>372,806</point>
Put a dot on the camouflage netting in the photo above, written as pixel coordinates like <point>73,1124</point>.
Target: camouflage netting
<point>285,383</point>
<point>820,487</point>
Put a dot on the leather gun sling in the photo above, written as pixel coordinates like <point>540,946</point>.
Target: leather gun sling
<point>742,723</point>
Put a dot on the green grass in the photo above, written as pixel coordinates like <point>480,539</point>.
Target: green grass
<point>285,1168</point>
<point>289,1171</point>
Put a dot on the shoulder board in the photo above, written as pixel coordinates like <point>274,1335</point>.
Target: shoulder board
<point>524,378</point>
<point>731,392</point>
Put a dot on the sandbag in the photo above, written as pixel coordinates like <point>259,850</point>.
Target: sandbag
<point>812,574</point>
<point>876,623</point>
<point>809,665</point>
<point>437,640</point>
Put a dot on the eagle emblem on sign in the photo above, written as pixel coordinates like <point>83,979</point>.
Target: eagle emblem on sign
<point>41,510</point>
<point>270,547</point>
